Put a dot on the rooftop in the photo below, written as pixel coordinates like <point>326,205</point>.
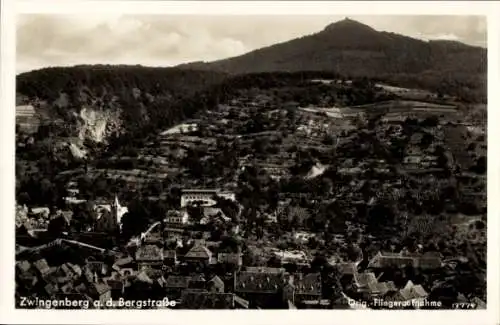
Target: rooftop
<point>258,282</point>
<point>199,252</point>
<point>309,284</point>
<point>149,253</point>
<point>177,281</point>
<point>206,300</point>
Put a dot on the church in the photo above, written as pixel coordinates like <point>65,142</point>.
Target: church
<point>109,217</point>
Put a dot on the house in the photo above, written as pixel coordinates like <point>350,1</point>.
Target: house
<point>381,289</point>
<point>116,285</point>
<point>175,284</point>
<point>265,269</point>
<point>205,197</point>
<point>149,256</point>
<point>197,282</point>
<point>127,272</point>
<point>76,269</point>
<point>177,218</point>
<point>480,304</point>
<point>430,261</point>
<point>199,254</point>
<point>42,267</point>
<point>411,292</point>
<point>65,271</point>
<point>98,267</point>
<point>307,287</point>
<point>362,281</point>
<point>23,266</point>
<point>144,277</point>
<point>262,289</point>
<point>40,212</point>
<point>170,257</point>
<point>215,285</point>
<point>27,280</point>
<point>109,216</point>
<point>174,233</point>
<point>51,289</point>
<point>212,214</point>
<point>295,256</point>
<point>153,238</point>
<point>388,259</point>
<point>291,213</point>
<point>235,259</point>
<point>347,271</point>
<point>211,300</point>
<point>100,291</point>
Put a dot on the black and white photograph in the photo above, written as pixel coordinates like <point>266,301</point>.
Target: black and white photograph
<point>250,162</point>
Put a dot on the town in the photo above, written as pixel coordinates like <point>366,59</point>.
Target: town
<point>276,198</point>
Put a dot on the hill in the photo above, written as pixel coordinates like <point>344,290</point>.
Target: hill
<point>85,96</point>
<point>354,49</point>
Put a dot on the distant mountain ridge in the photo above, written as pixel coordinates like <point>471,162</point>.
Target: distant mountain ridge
<point>355,49</point>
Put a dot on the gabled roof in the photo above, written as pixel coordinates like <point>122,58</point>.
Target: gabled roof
<point>216,281</point>
<point>199,251</point>
<point>391,286</point>
<point>258,282</point>
<point>419,291</point>
<point>309,284</point>
<point>41,265</point>
<point>75,268</point>
<point>480,304</point>
<point>143,277</point>
<point>24,266</point>
<point>412,291</point>
<point>364,279</point>
<point>212,212</point>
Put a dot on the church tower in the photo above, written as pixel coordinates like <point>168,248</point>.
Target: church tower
<point>117,212</point>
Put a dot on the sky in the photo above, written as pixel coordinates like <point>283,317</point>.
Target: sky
<point>159,40</point>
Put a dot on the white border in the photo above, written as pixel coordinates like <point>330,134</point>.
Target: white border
<point>9,8</point>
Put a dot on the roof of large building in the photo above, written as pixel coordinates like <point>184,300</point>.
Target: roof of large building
<point>258,282</point>
<point>149,253</point>
<point>309,284</point>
